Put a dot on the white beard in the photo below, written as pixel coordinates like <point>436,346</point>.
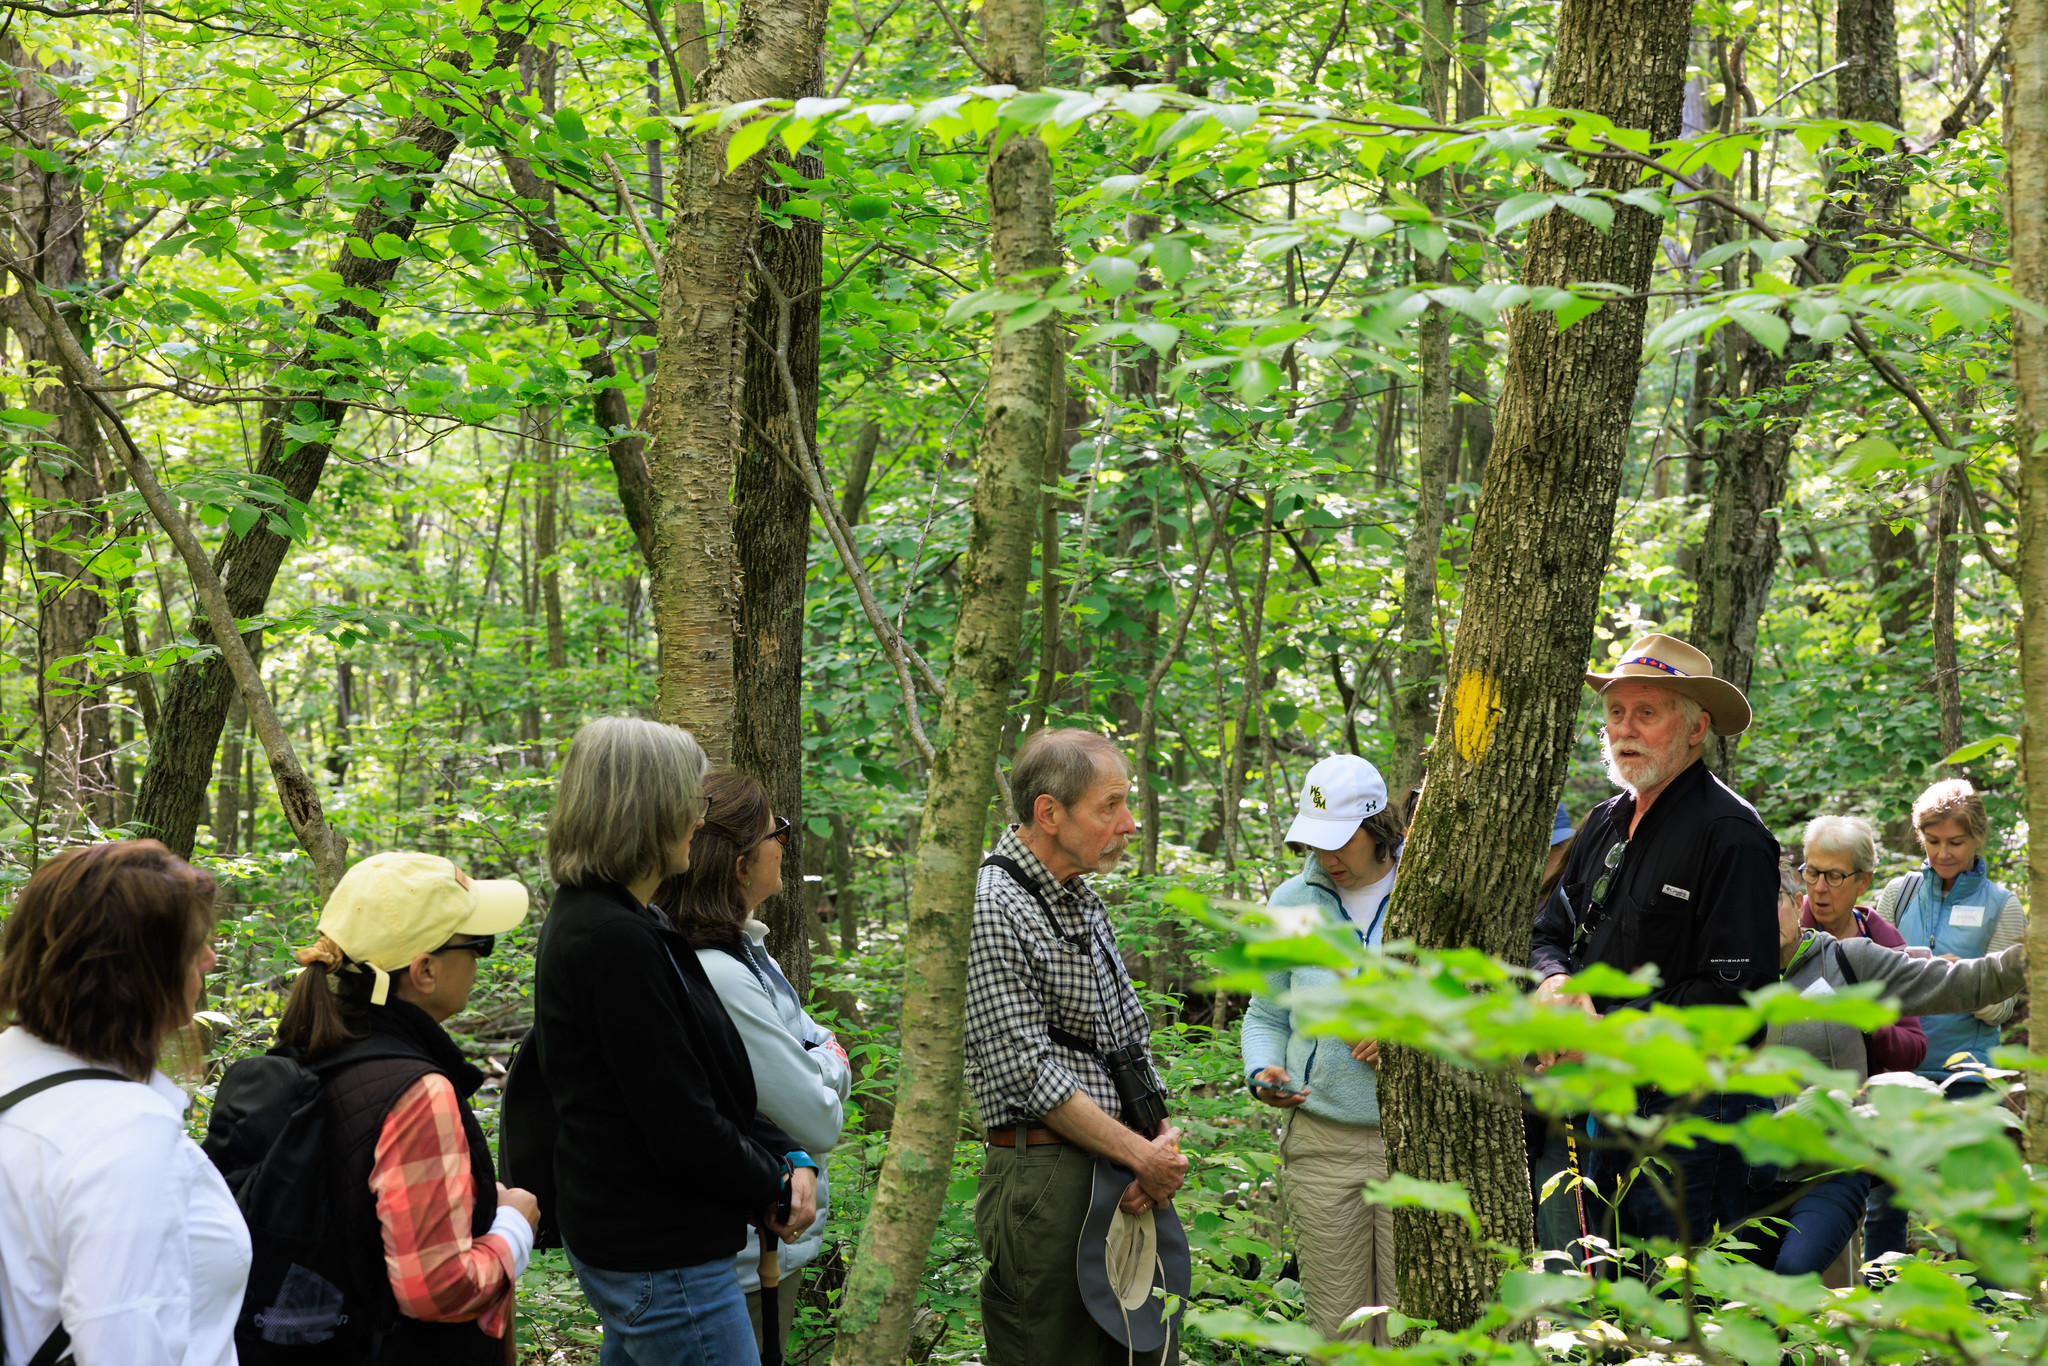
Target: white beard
<point>1640,772</point>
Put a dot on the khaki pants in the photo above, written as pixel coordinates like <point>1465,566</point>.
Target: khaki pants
<point>1027,1217</point>
<point>1345,1247</point>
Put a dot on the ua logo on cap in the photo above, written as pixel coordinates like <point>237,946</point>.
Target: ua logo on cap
<point>1315,796</point>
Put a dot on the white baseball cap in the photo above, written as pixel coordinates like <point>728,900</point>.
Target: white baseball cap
<point>1338,793</point>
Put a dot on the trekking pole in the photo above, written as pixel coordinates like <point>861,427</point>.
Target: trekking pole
<point>771,1308</point>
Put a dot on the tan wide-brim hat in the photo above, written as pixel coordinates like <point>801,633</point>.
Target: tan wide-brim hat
<point>1671,663</point>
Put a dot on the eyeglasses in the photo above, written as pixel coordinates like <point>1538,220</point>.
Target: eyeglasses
<point>780,834</point>
<point>480,947</point>
<point>1813,876</point>
<point>1606,879</point>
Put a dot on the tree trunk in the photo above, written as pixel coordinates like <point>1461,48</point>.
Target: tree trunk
<point>693,409</point>
<point>1752,458</point>
<point>1532,589</point>
<point>772,530</point>
<point>844,898</point>
<point>1894,564</point>
<point>1948,562</point>
<point>1418,662</point>
<point>2026,160</point>
<point>65,477</point>
<point>883,1289</point>
<point>1045,688</point>
<point>546,546</point>
<point>853,498</point>
<point>173,797</point>
<point>228,801</point>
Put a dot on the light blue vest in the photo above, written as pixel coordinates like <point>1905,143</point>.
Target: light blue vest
<point>1929,922</point>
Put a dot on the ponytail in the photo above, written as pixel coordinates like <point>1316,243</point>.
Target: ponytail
<point>319,1015</point>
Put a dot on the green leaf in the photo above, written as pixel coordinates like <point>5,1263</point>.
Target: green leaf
<point>1978,749</point>
<point>1114,273</point>
<point>865,208</point>
<point>747,140</point>
<point>1861,459</point>
<point>1769,330</point>
<point>388,246</point>
<point>1159,336</point>
<point>1172,257</point>
<point>1519,209</point>
<point>1406,1192</point>
<point>1431,241</point>
<point>569,124</point>
<point>1598,212</point>
<point>1578,308</point>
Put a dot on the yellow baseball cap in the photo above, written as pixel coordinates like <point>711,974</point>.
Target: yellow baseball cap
<point>391,908</point>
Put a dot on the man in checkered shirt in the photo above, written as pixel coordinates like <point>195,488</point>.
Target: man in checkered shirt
<point>1046,995</point>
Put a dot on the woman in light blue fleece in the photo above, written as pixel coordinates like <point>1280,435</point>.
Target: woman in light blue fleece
<point>801,1076</point>
<point>1331,1146</point>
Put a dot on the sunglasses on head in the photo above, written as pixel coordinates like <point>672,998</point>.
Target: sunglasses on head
<point>481,947</point>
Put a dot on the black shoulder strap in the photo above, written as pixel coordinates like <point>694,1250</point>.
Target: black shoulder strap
<point>58,1344</point>
<point>1909,892</point>
<point>1079,939</point>
<point>1844,966</point>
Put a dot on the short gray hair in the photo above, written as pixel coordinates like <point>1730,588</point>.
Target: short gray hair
<point>1849,836</point>
<point>627,794</point>
<point>1062,764</point>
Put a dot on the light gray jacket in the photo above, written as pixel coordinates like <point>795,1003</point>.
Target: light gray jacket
<point>1914,986</point>
<point>801,1076</point>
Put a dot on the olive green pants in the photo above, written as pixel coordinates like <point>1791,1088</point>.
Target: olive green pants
<point>1027,1217</point>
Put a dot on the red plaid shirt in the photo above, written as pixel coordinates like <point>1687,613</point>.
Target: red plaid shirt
<point>424,1195</point>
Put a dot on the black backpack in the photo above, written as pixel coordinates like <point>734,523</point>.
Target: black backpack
<point>56,1348</point>
<point>268,1137</point>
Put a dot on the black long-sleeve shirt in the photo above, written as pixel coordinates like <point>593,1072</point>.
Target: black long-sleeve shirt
<point>661,1156</point>
<point>1695,893</point>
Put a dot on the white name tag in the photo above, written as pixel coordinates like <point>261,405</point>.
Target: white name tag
<point>1966,917</point>
<point>1679,892</point>
<point>1817,988</point>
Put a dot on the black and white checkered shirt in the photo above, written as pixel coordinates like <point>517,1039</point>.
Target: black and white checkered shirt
<point>1031,969</point>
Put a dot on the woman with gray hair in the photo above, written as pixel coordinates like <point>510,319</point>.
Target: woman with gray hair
<point>1840,856</point>
<point>659,1159</point>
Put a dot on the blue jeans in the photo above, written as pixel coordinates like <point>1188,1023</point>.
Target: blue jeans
<point>1884,1223</point>
<point>685,1316</point>
<point>1715,1178</point>
<point>1819,1223</point>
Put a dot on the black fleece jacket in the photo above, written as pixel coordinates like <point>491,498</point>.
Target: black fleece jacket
<point>661,1158</point>
<point>1695,893</point>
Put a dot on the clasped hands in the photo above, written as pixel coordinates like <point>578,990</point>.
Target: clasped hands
<point>1161,1168</point>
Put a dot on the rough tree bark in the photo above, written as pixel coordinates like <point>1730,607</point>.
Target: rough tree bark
<point>1418,662</point>
<point>693,406</point>
<point>172,801</point>
<point>772,531</point>
<point>882,1291</point>
<point>2026,160</point>
<point>1515,693</point>
<point>65,476</point>
<point>1752,457</point>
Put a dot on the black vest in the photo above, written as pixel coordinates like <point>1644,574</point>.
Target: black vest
<point>358,1099</point>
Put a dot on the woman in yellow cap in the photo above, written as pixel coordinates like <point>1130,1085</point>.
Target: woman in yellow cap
<point>420,1209</point>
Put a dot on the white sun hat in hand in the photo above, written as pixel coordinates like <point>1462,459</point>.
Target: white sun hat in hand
<point>1338,793</point>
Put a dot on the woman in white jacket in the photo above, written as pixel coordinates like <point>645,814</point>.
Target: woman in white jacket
<point>801,1076</point>
<point>119,1242</point>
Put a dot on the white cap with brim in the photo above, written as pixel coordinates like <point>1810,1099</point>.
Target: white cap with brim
<point>391,908</point>
<point>1339,793</point>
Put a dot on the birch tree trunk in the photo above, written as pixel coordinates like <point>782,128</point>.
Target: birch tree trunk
<point>2026,159</point>
<point>693,410</point>
<point>882,1289</point>
<point>1540,543</point>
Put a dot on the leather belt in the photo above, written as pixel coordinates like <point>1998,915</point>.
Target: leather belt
<point>1033,1138</point>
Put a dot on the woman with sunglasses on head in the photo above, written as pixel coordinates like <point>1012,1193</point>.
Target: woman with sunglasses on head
<point>420,1210</point>
<point>119,1242</point>
<point>801,1075</point>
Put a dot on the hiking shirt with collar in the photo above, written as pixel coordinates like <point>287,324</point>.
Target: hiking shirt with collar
<point>1898,1047</point>
<point>1032,968</point>
<point>1341,1088</point>
<point>418,1196</point>
<point>1971,919</point>
<point>1695,893</point>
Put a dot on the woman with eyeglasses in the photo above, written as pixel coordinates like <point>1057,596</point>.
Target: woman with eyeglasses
<point>419,1207</point>
<point>1839,856</point>
<point>801,1075</point>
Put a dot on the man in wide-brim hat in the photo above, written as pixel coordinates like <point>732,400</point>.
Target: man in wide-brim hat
<point>1676,872</point>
